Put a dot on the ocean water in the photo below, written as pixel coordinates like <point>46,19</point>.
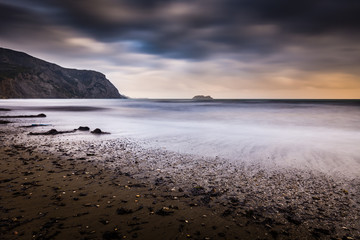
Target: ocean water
<point>321,135</point>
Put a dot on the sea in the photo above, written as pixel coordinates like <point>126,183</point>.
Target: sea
<point>320,135</point>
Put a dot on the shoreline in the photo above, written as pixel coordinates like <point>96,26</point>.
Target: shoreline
<point>160,194</point>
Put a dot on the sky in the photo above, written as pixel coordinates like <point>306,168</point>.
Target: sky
<point>182,48</point>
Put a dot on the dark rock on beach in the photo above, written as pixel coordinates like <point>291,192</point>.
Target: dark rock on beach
<point>122,211</point>
<point>83,128</point>
<point>4,122</point>
<point>52,132</point>
<point>98,131</point>
<point>41,115</point>
<point>164,211</point>
<point>35,125</point>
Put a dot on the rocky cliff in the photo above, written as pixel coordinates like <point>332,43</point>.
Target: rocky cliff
<point>23,76</point>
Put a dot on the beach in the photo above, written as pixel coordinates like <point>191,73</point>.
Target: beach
<point>75,186</point>
<point>53,198</point>
<point>174,120</point>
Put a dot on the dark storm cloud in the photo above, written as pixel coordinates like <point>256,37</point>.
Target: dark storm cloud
<point>197,29</point>
<point>292,17</point>
<point>312,17</point>
<point>12,17</point>
<point>191,29</point>
<point>27,24</point>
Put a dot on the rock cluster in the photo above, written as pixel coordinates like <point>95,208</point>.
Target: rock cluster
<point>56,132</point>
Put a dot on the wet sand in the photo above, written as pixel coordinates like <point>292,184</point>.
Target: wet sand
<point>67,187</point>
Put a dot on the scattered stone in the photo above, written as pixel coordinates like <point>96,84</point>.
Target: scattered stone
<point>51,132</point>
<point>109,235</point>
<point>322,230</point>
<point>98,131</point>
<point>6,180</point>
<point>137,185</point>
<point>206,199</point>
<point>294,219</point>
<point>159,181</point>
<point>196,191</point>
<point>227,212</point>
<point>164,211</point>
<point>103,221</point>
<point>81,128</point>
<point>81,214</point>
<point>27,173</point>
<point>234,201</point>
<point>123,211</point>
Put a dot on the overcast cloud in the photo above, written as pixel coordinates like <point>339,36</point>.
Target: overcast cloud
<point>226,48</point>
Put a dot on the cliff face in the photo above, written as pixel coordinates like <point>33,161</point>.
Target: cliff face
<point>23,76</point>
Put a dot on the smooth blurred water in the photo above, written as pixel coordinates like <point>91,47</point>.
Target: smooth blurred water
<point>305,134</point>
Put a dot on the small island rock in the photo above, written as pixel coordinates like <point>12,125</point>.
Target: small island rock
<point>202,97</point>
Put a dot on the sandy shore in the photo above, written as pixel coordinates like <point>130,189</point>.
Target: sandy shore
<point>66,187</point>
